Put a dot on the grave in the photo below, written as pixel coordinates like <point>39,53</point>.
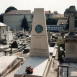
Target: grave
<point>71,38</point>
<point>9,37</point>
<point>7,63</point>
<point>39,52</point>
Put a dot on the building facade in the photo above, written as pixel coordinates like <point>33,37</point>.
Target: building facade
<point>14,18</point>
<point>55,28</point>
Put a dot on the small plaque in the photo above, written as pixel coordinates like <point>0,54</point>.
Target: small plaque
<point>38,28</point>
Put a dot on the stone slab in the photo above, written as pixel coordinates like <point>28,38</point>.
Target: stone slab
<point>51,50</point>
<point>5,62</point>
<point>39,66</point>
<point>4,46</point>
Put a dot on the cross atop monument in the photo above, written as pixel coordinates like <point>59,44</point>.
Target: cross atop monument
<point>71,14</point>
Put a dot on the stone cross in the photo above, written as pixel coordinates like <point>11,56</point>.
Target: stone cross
<point>71,14</point>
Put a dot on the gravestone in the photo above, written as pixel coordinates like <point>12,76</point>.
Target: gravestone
<point>71,38</point>
<point>9,37</point>
<point>39,52</point>
<point>39,40</point>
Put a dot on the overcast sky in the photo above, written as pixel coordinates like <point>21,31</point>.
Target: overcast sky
<point>53,5</point>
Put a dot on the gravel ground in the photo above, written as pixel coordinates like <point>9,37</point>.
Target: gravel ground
<point>53,69</point>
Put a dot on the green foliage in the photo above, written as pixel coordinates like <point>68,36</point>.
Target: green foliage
<point>10,52</point>
<point>67,10</point>
<point>61,53</point>
<point>10,8</point>
<point>55,12</point>
<point>76,22</point>
<point>24,24</point>
<point>14,45</point>
<point>61,44</point>
<point>1,18</point>
<point>51,21</point>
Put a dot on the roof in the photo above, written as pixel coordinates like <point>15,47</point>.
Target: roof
<point>62,21</point>
<point>48,12</point>
<point>2,24</point>
<point>57,16</point>
<point>19,12</point>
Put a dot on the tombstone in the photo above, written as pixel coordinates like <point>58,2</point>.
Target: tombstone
<point>7,64</point>
<point>71,38</point>
<point>39,40</point>
<point>9,37</point>
<point>39,52</point>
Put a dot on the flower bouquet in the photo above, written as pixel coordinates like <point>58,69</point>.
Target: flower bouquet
<point>29,70</point>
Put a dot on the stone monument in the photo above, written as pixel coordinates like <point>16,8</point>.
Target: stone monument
<point>39,40</point>
<point>71,38</point>
<point>39,51</point>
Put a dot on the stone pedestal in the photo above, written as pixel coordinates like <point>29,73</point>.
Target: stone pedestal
<point>71,49</point>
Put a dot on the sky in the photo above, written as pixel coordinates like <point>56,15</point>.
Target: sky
<point>52,5</point>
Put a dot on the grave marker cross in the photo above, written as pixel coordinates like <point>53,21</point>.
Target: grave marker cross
<point>71,14</point>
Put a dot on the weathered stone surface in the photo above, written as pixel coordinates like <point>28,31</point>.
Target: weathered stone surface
<point>6,62</point>
<point>71,14</point>
<point>71,39</point>
<point>38,64</point>
<point>39,41</point>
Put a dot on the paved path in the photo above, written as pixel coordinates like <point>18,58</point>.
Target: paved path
<point>53,70</point>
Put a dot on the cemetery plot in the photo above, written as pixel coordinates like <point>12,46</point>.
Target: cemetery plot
<point>39,65</point>
<point>6,64</point>
<point>39,58</point>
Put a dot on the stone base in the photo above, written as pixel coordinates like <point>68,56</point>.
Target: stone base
<point>71,49</point>
<point>40,67</point>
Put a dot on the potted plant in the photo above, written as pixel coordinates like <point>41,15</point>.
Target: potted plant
<point>29,70</point>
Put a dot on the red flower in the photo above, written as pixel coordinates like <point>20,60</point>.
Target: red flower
<point>29,69</point>
<point>26,69</point>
